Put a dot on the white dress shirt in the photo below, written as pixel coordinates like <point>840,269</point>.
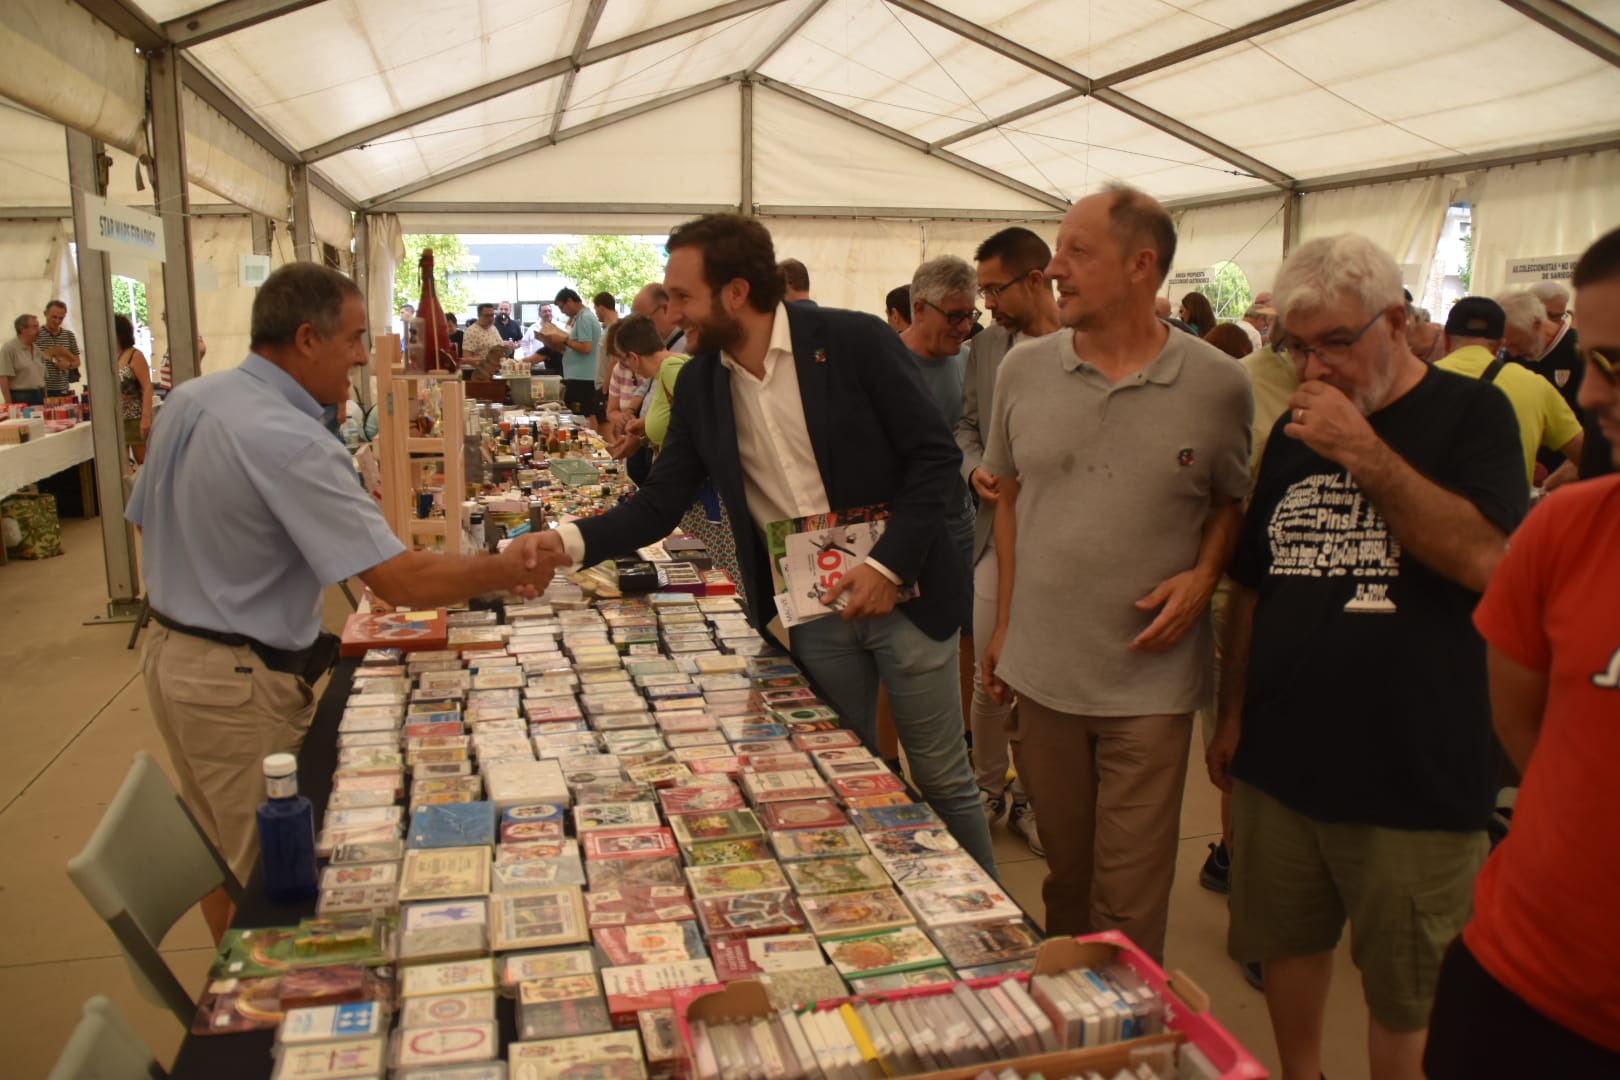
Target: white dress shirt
<point>780,476</point>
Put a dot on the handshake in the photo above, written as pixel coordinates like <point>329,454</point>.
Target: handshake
<point>531,560</point>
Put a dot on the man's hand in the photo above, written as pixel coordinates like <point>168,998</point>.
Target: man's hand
<point>870,594</point>
<point>1218,756</point>
<point>532,559</point>
<point>988,486</point>
<point>999,691</point>
<point>1181,600</point>
<point>1327,421</point>
<point>624,446</point>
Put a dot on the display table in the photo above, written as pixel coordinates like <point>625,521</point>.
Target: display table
<point>29,462</point>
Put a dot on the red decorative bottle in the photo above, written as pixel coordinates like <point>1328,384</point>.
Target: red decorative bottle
<point>430,348</point>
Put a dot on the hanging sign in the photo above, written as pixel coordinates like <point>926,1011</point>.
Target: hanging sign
<point>252,270</point>
<point>1193,278</point>
<point>1528,271</point>
<point>121,230</point>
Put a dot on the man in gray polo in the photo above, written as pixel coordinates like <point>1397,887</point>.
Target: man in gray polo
<point>1121,452</point>
<point>22,373</point>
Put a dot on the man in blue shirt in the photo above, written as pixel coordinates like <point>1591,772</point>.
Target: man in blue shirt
<point>248,509</point>
<point>581,345</point>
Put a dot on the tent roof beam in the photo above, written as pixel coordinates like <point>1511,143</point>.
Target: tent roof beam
<point>227,17</point>
<point>1573,25</point>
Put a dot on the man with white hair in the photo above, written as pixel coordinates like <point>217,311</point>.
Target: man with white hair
<point>1544,343</point>
<point>1354,732</point>
<point>942,316</point>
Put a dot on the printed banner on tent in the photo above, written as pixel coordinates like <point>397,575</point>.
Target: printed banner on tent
<point>121,230</point>
<point>1528,271</point>
<point>1193,278</point>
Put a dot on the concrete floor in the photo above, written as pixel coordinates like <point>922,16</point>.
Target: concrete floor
<point>73,710</point>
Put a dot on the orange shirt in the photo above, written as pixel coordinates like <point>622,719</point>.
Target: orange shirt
<point>1547,905</point>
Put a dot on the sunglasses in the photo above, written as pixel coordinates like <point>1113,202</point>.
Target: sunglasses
<point>1598,361</point>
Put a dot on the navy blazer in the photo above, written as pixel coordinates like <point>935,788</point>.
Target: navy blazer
<point>878,438</point>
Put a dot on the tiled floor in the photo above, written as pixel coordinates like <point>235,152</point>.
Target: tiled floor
<point>73,710</point>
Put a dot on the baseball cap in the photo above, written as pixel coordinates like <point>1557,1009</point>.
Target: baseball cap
<point>1477,317</point>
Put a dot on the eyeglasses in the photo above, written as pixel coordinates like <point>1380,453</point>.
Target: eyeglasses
<point>991,292</point>
<point>1329,352</point>
<point>955,317</point>
<point>1598,361</point>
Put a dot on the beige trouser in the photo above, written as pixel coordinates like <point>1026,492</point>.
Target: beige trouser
<point>221,712</point>
<point>1109,793</point>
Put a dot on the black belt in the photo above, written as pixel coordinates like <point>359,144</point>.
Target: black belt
<point>310,662</point>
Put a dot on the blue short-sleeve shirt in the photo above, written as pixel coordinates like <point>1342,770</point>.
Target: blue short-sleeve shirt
<point>248,508</point>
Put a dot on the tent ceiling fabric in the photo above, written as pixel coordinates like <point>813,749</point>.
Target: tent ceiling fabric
<point>1188,99</point>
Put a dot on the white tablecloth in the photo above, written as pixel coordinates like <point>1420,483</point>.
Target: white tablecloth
<point>28,462</point>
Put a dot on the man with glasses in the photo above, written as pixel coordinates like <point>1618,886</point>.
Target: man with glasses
<point>1541,956</point>
<point>1121,456</point>
<point>1014,289</point>
<point>1354,733</point>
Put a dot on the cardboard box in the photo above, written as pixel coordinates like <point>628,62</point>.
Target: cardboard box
<point>17,432</point>
<point>1186,1014</point>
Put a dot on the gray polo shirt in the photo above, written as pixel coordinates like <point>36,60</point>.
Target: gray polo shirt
<point>1115,482</point>
<point>22,365</point>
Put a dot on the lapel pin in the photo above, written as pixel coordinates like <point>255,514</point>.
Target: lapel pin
<point>821,356</point>
<point>1186,457</point>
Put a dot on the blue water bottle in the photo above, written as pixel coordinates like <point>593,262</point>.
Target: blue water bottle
<point>286,834</point>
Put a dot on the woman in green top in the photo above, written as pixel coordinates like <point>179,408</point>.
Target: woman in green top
<point>638,344</point>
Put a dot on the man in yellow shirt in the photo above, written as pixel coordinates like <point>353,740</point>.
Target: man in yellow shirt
<point>1473,335</point>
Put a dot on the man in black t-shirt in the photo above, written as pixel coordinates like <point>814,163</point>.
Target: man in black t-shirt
<point>1354,731</point>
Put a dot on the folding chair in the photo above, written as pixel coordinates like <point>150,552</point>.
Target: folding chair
<point>104,1047</point>
<point>146,865</point>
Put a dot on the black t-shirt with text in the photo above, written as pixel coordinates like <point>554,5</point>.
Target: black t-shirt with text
<point>1366,698</point>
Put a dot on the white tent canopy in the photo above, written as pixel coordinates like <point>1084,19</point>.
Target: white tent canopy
<point>1258,121</point>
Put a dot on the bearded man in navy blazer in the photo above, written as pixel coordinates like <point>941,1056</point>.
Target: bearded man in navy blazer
<point>795,410</point>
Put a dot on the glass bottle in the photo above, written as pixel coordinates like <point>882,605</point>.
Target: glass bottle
<point>286,834</point>
<point>432,333</point>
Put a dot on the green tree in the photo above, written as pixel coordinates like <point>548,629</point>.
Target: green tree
<point>449,257</point>
<point>1466,274</point>
<point>620,265</point>
<point>129,298</point>
<point>1230,295</point>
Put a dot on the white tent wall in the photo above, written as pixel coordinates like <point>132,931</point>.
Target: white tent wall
<point>27,280</point>
<point>385,248</point>
<point>332,223</point>
<point>1403,218</point>
<point>1549,208</point>
<point>224,304</point>
<point>852,264</point>
<point>222,159</point>
<point>63,63</point>
<point>1248,233</point>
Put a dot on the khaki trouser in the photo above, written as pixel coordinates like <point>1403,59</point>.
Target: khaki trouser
<point>221,712</point>
<point>1109,792</point>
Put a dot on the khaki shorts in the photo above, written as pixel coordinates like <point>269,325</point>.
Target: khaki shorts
<point>221,712</point>
<point>132,432</point>
<point>1407,894</point>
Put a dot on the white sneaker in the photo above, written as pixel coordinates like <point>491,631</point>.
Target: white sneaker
<point>994,805</point>
<point>1022,821</point>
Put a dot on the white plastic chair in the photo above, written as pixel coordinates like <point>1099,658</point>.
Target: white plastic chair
<point>146,865</point>
<point>104,1047</point>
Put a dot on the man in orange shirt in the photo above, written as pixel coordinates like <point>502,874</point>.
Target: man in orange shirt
<point>1532,987</point>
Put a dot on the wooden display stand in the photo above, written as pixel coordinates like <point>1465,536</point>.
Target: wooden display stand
<point>397,443</point>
